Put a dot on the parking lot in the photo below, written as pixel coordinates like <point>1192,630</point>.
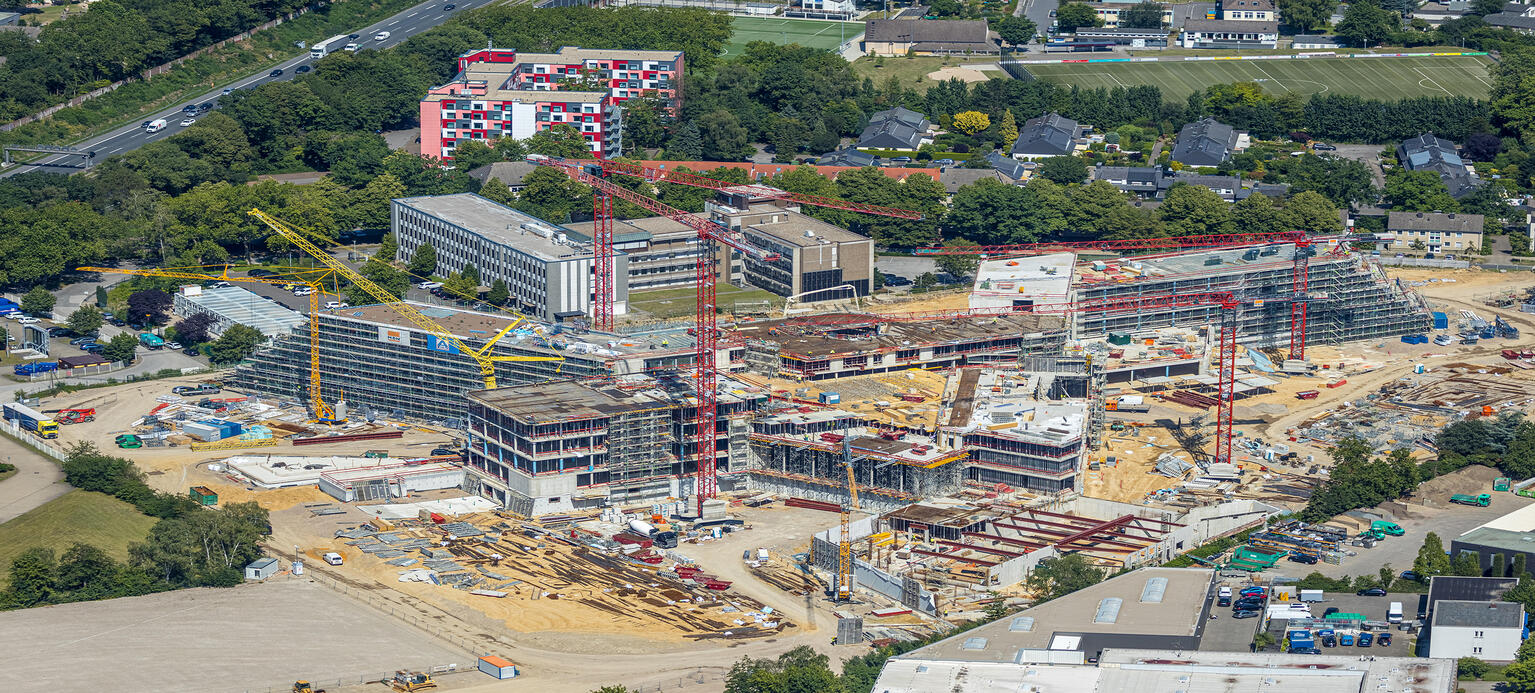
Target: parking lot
<point>1398,552</point>
<point>1227,634</point>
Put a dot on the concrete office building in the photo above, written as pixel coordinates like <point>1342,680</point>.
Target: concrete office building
<point>383,364</point>
<point>815,257</point>
<point>568,446</point>
<point>546,269</point>
<point>660,253</point>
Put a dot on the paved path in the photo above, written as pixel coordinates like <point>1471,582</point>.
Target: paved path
<point>38,480</point>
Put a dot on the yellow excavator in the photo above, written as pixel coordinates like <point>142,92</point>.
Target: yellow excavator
<point>408,681</point>
<point>306,687</point>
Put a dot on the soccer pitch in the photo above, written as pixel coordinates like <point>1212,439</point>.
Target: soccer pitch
<point>1375,78</point>
<point>805,32</point>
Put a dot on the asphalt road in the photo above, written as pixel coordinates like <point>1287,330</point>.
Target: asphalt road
<point>130,137</point>
<point>1039,12</point>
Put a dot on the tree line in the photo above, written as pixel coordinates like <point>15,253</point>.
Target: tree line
<point>190,546</point>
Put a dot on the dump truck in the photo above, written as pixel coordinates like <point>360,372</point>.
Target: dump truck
<point>1480,499</point>
<point>1390,529</point>
<point>32,420</point>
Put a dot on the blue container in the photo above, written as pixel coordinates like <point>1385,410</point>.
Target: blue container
<point>831,398</point>
<point>1441,321</point>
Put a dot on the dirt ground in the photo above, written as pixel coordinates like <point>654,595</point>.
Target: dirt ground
<point>964,73</point>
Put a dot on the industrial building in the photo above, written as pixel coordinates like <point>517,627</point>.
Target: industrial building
<point>572,445</point>
<point>547,270</point>
<point>815,258</point>
<point>1511,535</point>
<point>384,365</point>
<point>232,305</point>
<point>1488,630</point>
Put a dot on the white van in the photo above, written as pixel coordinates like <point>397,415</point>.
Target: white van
<point>381,36</point>
<point>332,558</point>
<point>429,285</point>
<point>1394,613</point>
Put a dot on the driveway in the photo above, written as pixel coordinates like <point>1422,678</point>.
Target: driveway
<point>1368,153</point>
<point>38,480</point>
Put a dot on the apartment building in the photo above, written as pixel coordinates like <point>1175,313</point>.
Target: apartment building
<point>547,270</point>
<point>499,92</point>
<point>814,257</point>
<point>1015,437</point>
<point>568,446</point>
<point>1435,232</point>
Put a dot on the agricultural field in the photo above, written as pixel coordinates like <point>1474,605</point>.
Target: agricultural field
<point>805,32</point>
<point>77,517</point>
<point>1374,78</point>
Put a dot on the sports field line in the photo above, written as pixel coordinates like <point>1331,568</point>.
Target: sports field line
<point>1276,80</point>
<point>1425,77</point>
<point>1460,72</point>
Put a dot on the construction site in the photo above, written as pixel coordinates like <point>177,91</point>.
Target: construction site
<point>875,470</point>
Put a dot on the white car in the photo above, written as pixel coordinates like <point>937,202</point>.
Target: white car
<point>381,36</point>
<point>27,320</point>
<point>337,304</point>
<point>188,121</point>
<point>352,47</point>
<point>303,291</point>
<point>429,285</point>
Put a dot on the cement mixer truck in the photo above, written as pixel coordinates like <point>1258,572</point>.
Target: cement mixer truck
<point>661,539</point>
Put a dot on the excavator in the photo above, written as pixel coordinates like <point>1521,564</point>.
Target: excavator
<point>408,681</point>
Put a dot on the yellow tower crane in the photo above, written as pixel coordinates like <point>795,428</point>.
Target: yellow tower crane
<point>481,356</point>
<point>322,412</point>
<point>845,541</point>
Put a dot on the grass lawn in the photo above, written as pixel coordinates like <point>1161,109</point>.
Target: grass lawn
<point>912,73</point>
<point>806,32</point>
<point>77,517</point>
<point>666,304</point>
<point>1374,78</point>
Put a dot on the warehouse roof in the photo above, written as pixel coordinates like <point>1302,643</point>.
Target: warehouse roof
<point>501,224</point>
<point>239,305</point>
<point>1450,587</point>
<point>1497,539</point>
<point>1468,614</point>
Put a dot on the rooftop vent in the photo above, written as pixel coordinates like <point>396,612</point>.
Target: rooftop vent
<point>1153,591</point>
<point>1108,610</point>
<point>1022,624</point>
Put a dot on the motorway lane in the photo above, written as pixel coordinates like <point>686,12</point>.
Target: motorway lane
<point>401,26</point>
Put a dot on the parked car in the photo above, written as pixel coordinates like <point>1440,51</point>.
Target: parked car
<point>1366,639</point>
<point>58,331</point>
<point>429,285</point>
<point>1253,592</point>
<point>1324,147</point>
<point>1250,613</point>
<point>1346,640</point>
<point>1384,640</point>
<point>93,348</point>
<point>258,272</point>
<point>1305,650</point>
<point>1330,611</point>
<point>303,291</point>
<point>191,351</point>
<point>896,280</point>
<point>27,320</point>
<point>1302,558</point>
<point>203,389</point>
<point>1329,640</point>
<point>1410,575</point>
<point>1372,592</point>
<point>901,160</point>
<point>1223,601</point>
<point>176,346</point>
<point>332,305</point>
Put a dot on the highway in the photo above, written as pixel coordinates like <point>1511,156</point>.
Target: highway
<point>401,26</point>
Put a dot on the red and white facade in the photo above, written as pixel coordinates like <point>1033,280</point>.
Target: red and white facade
<point>501,93</point>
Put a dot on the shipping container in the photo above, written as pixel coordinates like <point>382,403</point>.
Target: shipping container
<point>1441,321</point>
<point>497,667</point>
<point>1308,394</point>
<point>204,495</point>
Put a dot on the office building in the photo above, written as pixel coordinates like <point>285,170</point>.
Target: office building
<point>814,258</point>
<point>547,269</point>
<point>1487,630</point>
<point>502,93</point>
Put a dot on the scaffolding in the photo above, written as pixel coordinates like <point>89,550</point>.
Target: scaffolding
<point>813,471</point>
<point>639,459</point>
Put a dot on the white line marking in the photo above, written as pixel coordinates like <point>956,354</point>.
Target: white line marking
<point>1266,74</point>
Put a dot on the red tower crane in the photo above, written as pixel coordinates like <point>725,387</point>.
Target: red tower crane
<point>1226,341</point>
<point>602,213</point>
<point>706,338</point>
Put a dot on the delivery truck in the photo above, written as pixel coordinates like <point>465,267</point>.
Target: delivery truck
<point>1480,499</point>
<point>32,420</point>
<point>155,125</point>
<point>661,539</point>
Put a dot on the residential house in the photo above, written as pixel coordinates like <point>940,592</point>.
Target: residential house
<point>511,173</point>
<point>899,129</point>
<point>1207,142</point>
<point>1514,17</point>
<point>1225,186</point>
<point>1436,231</point>
<point>847,157</point>
<point>1173,15</point>
<point>1009,166</point>
<point>894,37</point>
<point>1247,10</point>
<point>953,177</point>
<point>1142,181</point>
<point>1051,134</point>
<point>1235,24</point>
<point>1273,191</point>
<point>843,10</point>
<point>1436,13</point>
<point>1429,153</point>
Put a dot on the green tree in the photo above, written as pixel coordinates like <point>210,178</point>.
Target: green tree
<point>423,263</point>
<point>32,574</point>
<point>38,302</point>
<point>1310,213</point>
<point>1365,24</point>
<point>1062,575</point>
<point>1419,191</point>
<point>1471,668</point>
<point>560,140</point>
<point>723,137</point>
<point>121,348</point>
<point>1073,15</point>
<point>1097,209</point>
<point>498,293</point>
<point>1387,576</point>
<point>1192,210</point>
<point>1467,564</point>
<point>496,191</point>
<point>550,195</point>
<point>799,669</point>
<point>686,143</point>
<point>1142,15</point>
<point>85,320</point>
<point>388,248</point>
<point>472,154</point>
<point>926,280</point>
<point>1520,676</point>
<point>1518,571</point>
<point>237,343</point>
<point>1254,214</point>
<point>1482,8</point>
<point>644,124</point>
<point>1016,30</point>
<point>1064,169</point>
<point>369,207</point>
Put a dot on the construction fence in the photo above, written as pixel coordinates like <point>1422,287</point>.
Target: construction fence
<point>31,440</point>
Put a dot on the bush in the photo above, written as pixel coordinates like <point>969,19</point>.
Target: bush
<point>1471,668</point>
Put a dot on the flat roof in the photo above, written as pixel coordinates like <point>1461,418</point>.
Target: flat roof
<point>811,340</point>
<point>1452,587</point>
<point>475,326</point>
<point>501,224</point>
<point>1499,539</point>
<point>245,307</point>
<point>1166,671</point>
<point>1068,623</point>
<point>1041,279</point>
<point>627,230</point>
<point>917,676</point>
<point>577,53</point>
<point>566,400</point>
<point>1004,404</point>
<point>803,231</point>
<point>1467,614</point>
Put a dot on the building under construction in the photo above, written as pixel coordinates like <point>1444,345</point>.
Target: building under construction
<point>570,445</point>
<point>382,364</point>
<point>1350,298</point>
